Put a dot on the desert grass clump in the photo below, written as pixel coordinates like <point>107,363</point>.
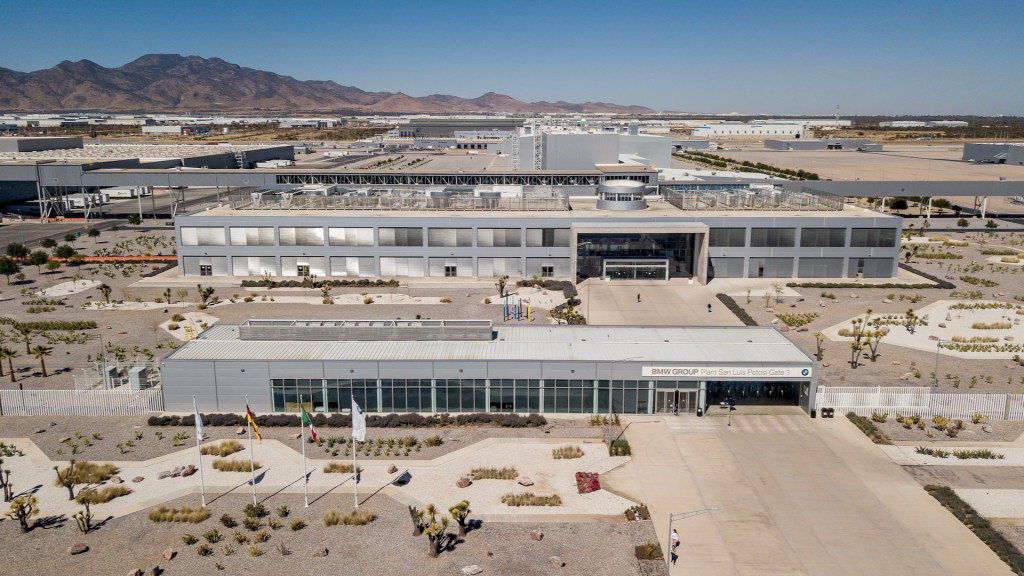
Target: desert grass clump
<point>228,521</point>
<point>106,494</point>
<point>240,537</point>
<point>530,499</point>
<point>297,525</point>
<point>433,441</point>
<point>212,536</point>
<point>234,465</point>
<point>494,474</point>
<point>261,537</point>
<point>353,518</point>
<point>183,514</point>
<point>189,539</point>
<point>273,523</point>
<point>222,449</point>
<point>567,452</point>
<point>91,473</point>
<point>339,468</point>
<point>252,524</point>
<point>254,551</point>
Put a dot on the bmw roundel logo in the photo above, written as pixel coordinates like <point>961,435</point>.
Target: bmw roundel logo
<point>805,372</point>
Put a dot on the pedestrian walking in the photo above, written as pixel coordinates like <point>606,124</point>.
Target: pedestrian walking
<point>709,308</point>
<point>638,297</point>
<point>674,539</point>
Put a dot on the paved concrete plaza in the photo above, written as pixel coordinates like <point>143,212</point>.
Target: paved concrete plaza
<point>662,303</point>
<point>798,496</point>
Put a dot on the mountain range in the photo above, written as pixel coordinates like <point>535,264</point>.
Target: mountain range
<point>175,83</point>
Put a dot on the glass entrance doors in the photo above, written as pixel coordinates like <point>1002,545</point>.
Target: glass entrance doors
<point>636,269</point>
<point>666,399</point>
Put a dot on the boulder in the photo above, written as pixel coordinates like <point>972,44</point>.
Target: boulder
<point>986,428</point>
<point>933,337</point>
<point>942,324</point>
<point>169,554</point>
<point>176,472</point>
<point>188,470</point>
<point>784,328</point>
<point>138,479</point>
<point>895,363</point>
<point>77,549</point>
<point>842,378</point>
<point>136,572</point>
<point>463,482</point>
<point>164,474</point>
<point>392,469</point>
<point>525,481</point>
<point>825,364</point>
<point>1008,338</point>
<point>240,430</point>
<point>41,430</point>
<point>949,317</point>
<point>65,439</point>
<point>886,301</point>
<point>854,296</point>
<point>470,570</point>
<point>116,480</point>
<point>769,310</point>
<point>536,535</point>
<point>154,570</point>
<point>295,436</point>
<point>802,329</point>
<point>556,561</point>
<point>321,553</point>
<point>775,320</point>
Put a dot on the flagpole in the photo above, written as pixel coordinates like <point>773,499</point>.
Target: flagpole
<point>252,465</point>
<point>202,483</point>
<point>355,467</point>
<point>305,478</point>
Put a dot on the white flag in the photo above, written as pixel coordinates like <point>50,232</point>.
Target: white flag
<point>358,422</point>
<point>199,421</point>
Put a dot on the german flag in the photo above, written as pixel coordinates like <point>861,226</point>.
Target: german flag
<point>252,422</point>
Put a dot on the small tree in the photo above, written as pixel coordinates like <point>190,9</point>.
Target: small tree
<point>911,321</point>
<point>41,352</point>
<point>94,233</point>
<point>83,518</point>
<point>778,287</point>
<point>767,298</point>
<point>8,268</point>
<point>105,290</point>
<point>268,279</point>
<point>17,250</point>
<point>500,285</point>
<point>182,294</point>
<point>460,512</point>
<point>204,293</point>
<point>23,508</point>
<point>67,478</point>
<point>819,343</point>
<point>5,482</point>
<point>26,335</point>
<point>991,225</point>
<point>48,243</point>
<point>53,266</point>
<point>70,237</point>
<point>38,259</point>
<point>875,338</point>
<point>8,354</point>
<point>417,517</point>
<point>134,219</point>
<point>167,295</point>
<point>962,223</point>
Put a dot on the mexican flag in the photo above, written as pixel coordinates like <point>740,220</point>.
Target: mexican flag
<point>307,421</point>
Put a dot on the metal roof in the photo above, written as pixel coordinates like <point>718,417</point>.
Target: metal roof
<point>702,345</point>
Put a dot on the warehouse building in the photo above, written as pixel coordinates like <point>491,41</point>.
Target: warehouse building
<point>624,230</point>
<point>994,153</point>
<point>473,366</point>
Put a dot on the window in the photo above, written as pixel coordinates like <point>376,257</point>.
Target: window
<point>301,236</point>
<point>450,237</point>
<point>352,266</point>
<point>253,265</point>
<point>350,236</point>
<point>202,236</point>
<point>400,236</point>
<point>499,237</point>
<point>451,271</point>
<point>772,237</point>
<point>261,236</point>
<point>548,237</point>
<point>547,271</point>
<point>727,237</point>
<point>823,238</point>
<point>402,267</point>
<point>873,238</point>
<point>205,270</point>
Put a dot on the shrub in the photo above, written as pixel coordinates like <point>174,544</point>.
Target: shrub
<point>368,300</point>
<point>434,440</point>
<point>567,452</point>
<point>979,281</point>
<point>530,499</point>
<point>619,448</point>
<point>877,416</point>
<point>189,539</point>
<point>586,482</point>
<point>353,518</point>
<point>228,521</point>
<point>235,465</point>
<point>222,449</point>
<point>339,468</point>
<point>172,326</point>
<point>255,552</point>
<point>254,510</point>
<point>494,474</point>
<point>992,326</point>
<point>736,309</point>
<point>649,550</point>
<point>183,514</point>
<point>273,523</point>
<point>637,512</point>
<point>297,525</point>
<point>177,318</point>
<point>105,494</point>
<point>984,454</point>
<point>212,536</point>
<point>261,537</point>
<point>940,422</point>
<point>867,428</point>
<point>978,418</point>
<point>979,525</point>
<point>932,452</point>
<point>240,537</point>
<point>252,524</point>
<point>282,511</point>
<point>446,300</point>
<point>91,473</point>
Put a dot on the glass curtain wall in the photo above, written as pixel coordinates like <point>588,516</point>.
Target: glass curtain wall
<point>593,248</point>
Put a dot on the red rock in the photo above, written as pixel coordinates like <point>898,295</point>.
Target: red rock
<point>536,535</point>
<point>138,479</point>
<point>392,469</point>
<point>525,481</point>
<point>136,572</point>
<point>322,553</point>
<point>115,480</point>
<point>169,554</point>
<point>556,561</point>
<point>77,549</point>
<point>463,482</point>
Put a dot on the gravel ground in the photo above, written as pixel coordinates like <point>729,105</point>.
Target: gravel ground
<point>386,546</point>
<point>113,431</point>
<point>1002,431</point>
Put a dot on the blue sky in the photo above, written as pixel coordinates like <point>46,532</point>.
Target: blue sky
<point>784,57</point>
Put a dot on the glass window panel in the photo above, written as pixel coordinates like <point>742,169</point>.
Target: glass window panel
<point>575,400</point>
<point>561,399</point>
<point>588,400</point>
<point>522,404</point>
<point>629,402</point>
<point>533,400</point>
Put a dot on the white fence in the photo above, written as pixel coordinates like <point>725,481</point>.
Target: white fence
<point>80,402</point>
<point>913,400</point>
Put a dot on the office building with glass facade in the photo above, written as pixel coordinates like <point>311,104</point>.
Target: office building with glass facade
<point>473,366</point>
<point>522,232</point>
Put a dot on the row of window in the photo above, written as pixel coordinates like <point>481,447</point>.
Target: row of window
<point>314,236</point>
<point>367,266</point>
<point>809,237</point>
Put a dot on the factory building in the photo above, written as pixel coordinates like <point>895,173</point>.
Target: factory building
<point>862,144</point>
<point>473,366</point>
<point>994,153</point>
<point>751,131</point>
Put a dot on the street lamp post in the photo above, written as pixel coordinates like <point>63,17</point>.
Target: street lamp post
<point>935,380</point>
<point>682,516</point>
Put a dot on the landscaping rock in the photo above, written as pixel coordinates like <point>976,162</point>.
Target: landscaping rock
<point>321,553</point>
<point>949,317</point>
<point>169,554</point>
<point>41,430</point>
<point>556,561</point>
<point>77,549</point>
<point>136,572</point>
<point>240,430</point>
<point>154,570</point>
<point>942,324</point>
<point>536,535</point>
<point>854,296</point>
<point>986,429</point>
<point>802,329</point>
<point>463,482</point>
<point>176,472</point>
<point>392,469</point>
<point>769,310</point>
<point>138,479</point>
<point>1008,338</point>
<point>525,481</point>
<point>933,337</point>
<point>825,364</point>
<point>784,328</point>
<point>886,301</point>
<point>470,570</point>
<point>116,480</point>
<point>775,320</point>
<point>64,439</point>
<point>188,470</point>
<point>895,363</point>
<point>164,474</point>
<point>295,436</point>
